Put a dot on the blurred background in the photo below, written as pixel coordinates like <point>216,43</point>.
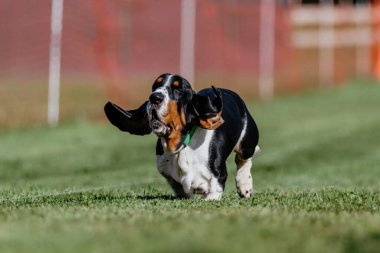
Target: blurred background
<point>60,60</point>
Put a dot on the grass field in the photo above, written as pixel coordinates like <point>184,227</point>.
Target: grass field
<point>86,187</point>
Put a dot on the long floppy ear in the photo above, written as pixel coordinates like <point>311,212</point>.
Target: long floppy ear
<point>208,109</point>
<point>133,121</point>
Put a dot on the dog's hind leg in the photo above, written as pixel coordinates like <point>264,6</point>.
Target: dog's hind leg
<point>245,150</point>
<point>243,179</point>
<point>243,176</point>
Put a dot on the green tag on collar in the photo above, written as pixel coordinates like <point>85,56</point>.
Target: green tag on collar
<point>190,135</point>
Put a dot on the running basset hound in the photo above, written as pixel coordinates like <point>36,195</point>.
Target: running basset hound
<point>196,134</point>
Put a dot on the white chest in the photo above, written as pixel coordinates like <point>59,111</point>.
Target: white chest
<point>190,166</point>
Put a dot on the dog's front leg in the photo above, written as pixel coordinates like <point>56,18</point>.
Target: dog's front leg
<point>187,186</point>
<point>215,191</point>
<point>166,165</point>
<point>177,188</point>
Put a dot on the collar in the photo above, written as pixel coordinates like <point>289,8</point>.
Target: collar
<point>190,135</point>
<point>187,140</point>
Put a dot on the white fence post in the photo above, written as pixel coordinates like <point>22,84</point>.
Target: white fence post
<point>55,61</point>
<point>338,28</point>
<point>363,50</point>
<point>187,47</point>
<point>266,48</point>
<point>326,44</point>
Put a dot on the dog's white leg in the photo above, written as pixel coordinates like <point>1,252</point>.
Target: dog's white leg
<point>166,166</point>
<point>243,177</point>
<point>177,188</point>
<point>186,183</point>
<point>215,192</point>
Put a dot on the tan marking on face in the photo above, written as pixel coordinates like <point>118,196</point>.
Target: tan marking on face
<point>183,117</point>
<point>176,83</point>
<point>212,123</point>
<point>176,122</point>
<point>160,79</point>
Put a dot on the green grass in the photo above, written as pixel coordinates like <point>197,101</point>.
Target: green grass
<point>86,187</point>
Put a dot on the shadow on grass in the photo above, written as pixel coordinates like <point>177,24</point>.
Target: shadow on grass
<point>82,198</point>
<point>157,197</point>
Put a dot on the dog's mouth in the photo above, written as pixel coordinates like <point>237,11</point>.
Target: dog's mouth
<point>158,127</point>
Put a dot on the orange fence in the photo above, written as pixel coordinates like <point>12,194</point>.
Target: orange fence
<point>124,44</point>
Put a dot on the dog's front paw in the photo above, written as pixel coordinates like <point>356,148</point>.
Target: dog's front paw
<point>213,196</point>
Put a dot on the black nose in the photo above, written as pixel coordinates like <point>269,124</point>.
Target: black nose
<point>156,98</point>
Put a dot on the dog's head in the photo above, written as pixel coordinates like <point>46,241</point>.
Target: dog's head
<point>169,104</point>
<point>172,110</point>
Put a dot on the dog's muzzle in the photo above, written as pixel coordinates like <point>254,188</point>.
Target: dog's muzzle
<point>158,127</point>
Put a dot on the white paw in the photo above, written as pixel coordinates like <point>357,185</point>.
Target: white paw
<point>213,196</point>
<point>244,185</point>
